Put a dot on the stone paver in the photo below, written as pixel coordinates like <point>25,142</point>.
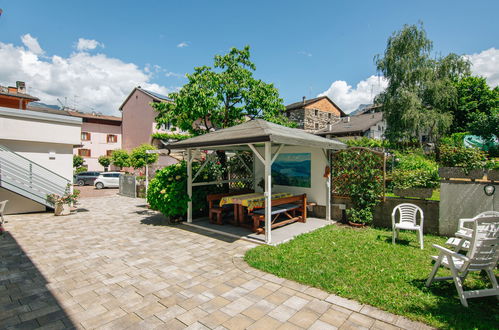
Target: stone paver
<point>115,265</point>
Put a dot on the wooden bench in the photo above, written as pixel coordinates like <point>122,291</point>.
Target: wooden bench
<point>287,206</point>
<point>215,211</point>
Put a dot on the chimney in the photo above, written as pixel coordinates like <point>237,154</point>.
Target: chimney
<point>21,87</point>
<point>329,127</point>
<point>303,99</point>
<point>346,119</point>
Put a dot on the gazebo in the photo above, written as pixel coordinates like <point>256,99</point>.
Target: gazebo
<point>267,141</point>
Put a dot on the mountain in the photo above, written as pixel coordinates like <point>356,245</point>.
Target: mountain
<point>359,109</point>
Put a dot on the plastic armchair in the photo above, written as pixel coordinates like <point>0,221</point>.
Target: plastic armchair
<point>464,232</point>
<point>482,255</point>
<point>408,214</point>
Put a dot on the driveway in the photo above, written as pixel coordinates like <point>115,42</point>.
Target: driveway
<point>91,191</point>
<point>116,265</point>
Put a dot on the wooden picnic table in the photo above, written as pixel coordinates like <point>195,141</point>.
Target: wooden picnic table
<point>250,201</point>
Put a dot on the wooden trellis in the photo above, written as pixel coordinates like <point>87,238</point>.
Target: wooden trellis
<point>354,165</point>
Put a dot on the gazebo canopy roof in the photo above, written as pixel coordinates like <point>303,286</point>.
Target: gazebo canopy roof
<point>257,131</point>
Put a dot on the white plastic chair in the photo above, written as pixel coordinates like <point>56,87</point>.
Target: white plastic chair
<point>407,220</point>
<point>483,254</point>
<point>464,233</point>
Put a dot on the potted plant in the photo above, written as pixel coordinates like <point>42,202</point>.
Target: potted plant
<point>414,183</point>
<point>461,162</point>
<point>62,203</point>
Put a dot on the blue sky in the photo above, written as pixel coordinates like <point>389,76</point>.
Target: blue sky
<point>302,47</point>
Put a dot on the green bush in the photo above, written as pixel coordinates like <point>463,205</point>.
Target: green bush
<point>120,158</point>
<point>81,169</point>
<point>414,170</point>
<point>419,178</point>
<point>139,156</point>
<point>454,140</point>
<point>78,161</point>
<point>105,161</point>
<point>167,191</point>
<point>468,158</point>
<point>358,173</point>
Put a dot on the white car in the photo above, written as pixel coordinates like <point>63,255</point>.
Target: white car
<point>108,180</point>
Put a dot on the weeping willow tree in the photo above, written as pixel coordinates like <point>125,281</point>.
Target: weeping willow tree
<point>421,89</point>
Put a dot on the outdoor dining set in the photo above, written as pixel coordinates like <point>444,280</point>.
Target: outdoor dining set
<point>248,209</point>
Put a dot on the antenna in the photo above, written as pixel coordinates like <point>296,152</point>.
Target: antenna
<point>62,104</point>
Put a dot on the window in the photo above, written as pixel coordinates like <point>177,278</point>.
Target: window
<point>109,153</point>
<point>316,112</point>
<point>111,138</point>
<point>316,124</point>
<point>329,115</point>
<point>85,136</point>
<point>107,175</point>
<point>84,152</point>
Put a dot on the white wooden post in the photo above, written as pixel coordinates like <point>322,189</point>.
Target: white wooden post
<point>147,178</point>
<point>189,185</point>
<point>328,188</point>
<point>268,192</point>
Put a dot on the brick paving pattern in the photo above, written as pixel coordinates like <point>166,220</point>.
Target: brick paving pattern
<point>115,265</point>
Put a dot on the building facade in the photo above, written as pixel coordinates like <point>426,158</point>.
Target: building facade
<point>371,125</point>
<point>314,114</point>
<point>15,97</point>
<point>100,135</point>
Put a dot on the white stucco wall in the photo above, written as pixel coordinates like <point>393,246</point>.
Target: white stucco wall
<point>34,136</point>
<point>98,144</point>
<point>317,192</point>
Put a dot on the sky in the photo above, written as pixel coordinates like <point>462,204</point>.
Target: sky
<point>91,54</point>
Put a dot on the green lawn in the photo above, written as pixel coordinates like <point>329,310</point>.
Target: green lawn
<point>434,197</point>
<point>362,264</point>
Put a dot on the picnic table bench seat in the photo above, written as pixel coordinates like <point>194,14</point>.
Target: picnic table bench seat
<point>215,213</point>
<point>287,206</point>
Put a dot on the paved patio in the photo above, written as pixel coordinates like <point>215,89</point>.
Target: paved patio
<point>116,265</point>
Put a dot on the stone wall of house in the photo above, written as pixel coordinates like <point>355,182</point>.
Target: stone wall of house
<point>297,116</point>
<point>315,119</point>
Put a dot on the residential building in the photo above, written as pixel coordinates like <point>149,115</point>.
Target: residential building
<point>15,97</point>
<point>100,135</point>
<point>314,114</point>
<point>371,125</point>
<point>139,122</point>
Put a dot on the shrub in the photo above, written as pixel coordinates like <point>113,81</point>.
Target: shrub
<point>468,158</point>
<point>454,140</point>
<point>167,191</point>
<point>419,178</point>
<point>78,161</point>
<point>120,158</point>
<point>139,156</point>
<point>81,169</point>
<point>105,161</point>
<point>358,173</point>
<point>414,170</point>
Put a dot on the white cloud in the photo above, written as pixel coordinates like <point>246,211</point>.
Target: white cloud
<point>32,44</point>
<point>349,98</point>
<point>486,64</point>
<point>304,53</point>
<point>183,44</point>
<point>100,83</point>
<point>88,44</point>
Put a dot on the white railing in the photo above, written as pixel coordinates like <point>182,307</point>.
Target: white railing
<point>28,178</point>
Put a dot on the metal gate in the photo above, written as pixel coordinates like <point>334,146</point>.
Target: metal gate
<point>128,185</point>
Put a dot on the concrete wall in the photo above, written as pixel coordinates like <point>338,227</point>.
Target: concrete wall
<point>318,192</point>
<point>463,200</point>
<point>18,204</point>
<point>383,212</point>
<point>98,144</point>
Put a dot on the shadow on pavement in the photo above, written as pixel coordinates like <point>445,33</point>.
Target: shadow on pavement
<point>25,300</point>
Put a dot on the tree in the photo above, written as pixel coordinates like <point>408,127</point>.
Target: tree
<point>139,157</point>
<point>105,161</point>
<point>477,108</point>
<point>78,161</point>
<point>120,158</point>
<point>421,90</point>
<point>222,96</point>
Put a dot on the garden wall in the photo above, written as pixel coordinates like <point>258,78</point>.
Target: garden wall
<point>383,212</point>
<point>463,199</point>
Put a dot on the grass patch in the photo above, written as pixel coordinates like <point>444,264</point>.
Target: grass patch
<point>434,197</point>
<point>362,264</point>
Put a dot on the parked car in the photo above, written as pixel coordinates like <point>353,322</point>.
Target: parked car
<point>86,178</point>
<point>108,180</point>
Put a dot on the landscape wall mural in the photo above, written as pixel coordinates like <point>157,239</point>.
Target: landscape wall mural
<point>292,170</point>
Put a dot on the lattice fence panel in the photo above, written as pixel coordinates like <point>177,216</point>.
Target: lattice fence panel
<point>354,165</point>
